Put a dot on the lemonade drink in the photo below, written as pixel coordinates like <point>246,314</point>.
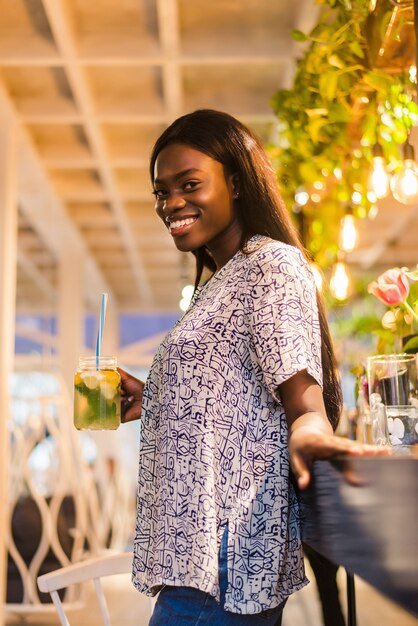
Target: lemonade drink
<point>97,394</point>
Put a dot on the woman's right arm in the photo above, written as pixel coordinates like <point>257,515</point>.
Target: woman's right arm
<point>131,396</point>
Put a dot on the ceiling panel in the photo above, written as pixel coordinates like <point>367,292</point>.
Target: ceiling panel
<point>121,28</point>
<point>236,28</point>
<point>227,88</point>
<point>25,31</point>
<point>119,90</point>
<point>39,90</point>
<point>126,142</point>
<point>60,143</point>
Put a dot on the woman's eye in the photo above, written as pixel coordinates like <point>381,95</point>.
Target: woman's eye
<point>159,194</point>
<point>190,185</point>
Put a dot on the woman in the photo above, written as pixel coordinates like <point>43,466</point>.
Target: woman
<point>243,389</point>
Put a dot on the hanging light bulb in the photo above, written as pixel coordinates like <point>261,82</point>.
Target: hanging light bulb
<point>348,232</point>
<point>373,211</point>
<point>317,274</point>
<point>404,184</point>
<point>186,296</point>
<point>301,196</point>
<point>339,283</point>
<point>378,180</point>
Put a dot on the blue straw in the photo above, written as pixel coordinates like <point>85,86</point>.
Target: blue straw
<point>102,318</point>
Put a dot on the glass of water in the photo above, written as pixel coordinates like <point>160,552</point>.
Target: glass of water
<point>393,397</point>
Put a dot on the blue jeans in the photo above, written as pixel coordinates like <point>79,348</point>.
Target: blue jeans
<point>186,606</point>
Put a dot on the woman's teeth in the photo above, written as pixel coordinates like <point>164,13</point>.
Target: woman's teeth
<point>181,223</point>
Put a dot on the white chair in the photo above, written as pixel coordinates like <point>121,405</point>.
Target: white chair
<point>90,569</point>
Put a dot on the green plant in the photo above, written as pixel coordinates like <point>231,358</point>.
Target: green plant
<point>340,105</point>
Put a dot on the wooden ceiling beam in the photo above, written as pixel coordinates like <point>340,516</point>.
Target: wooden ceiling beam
<point>168,29</point>
<point>75,163</point>
<point>146,61</point>
<point>65,41</point>
<point>128,118</point>
<point>41,206</point>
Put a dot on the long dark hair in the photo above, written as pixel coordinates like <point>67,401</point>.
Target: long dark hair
<point>261,208</point>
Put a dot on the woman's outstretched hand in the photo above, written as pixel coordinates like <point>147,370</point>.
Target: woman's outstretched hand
<point>307,444</point>
<point>310,433</point>
<point>131,396</point>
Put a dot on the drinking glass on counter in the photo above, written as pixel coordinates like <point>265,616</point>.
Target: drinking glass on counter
<point>393,398</point>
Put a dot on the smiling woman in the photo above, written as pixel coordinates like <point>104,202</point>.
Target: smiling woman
<point>243,388</point>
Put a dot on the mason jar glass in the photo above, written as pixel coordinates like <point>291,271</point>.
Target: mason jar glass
<point>97,394</point>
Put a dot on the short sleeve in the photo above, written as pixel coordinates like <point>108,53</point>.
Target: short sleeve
<point>283,315</point>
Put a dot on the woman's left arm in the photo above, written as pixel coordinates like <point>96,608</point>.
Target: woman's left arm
<point>310,433</point>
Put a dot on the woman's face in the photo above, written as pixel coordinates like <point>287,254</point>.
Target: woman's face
<point>195,199</point>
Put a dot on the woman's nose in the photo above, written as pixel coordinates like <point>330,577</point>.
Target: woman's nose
<point>172,203</point>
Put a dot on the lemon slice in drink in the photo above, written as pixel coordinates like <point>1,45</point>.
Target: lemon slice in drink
<point>107,390</point>
<point>91,379</point>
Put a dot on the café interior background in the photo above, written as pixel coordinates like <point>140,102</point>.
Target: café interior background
<point>85,89</point>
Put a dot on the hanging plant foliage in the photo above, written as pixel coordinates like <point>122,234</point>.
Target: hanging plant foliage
<point>352,89</point>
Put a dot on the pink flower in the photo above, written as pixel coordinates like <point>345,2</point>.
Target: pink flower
<point>392,287</point>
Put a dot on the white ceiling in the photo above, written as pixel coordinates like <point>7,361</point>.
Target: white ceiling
<point>93,84</point>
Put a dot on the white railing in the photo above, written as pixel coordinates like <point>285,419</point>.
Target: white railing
<point>62,505</point>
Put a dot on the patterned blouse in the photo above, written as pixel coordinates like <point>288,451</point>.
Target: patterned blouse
<point>213,448</point>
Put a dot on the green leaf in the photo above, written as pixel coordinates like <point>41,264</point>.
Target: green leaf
<point>335,61</point>
<point>338,113</point>
<point>315,128</point>
<point>316,112</point>
<point>313,65</point>
<point>412,107</point>
<point>356,49</point>
<point>298,35</point>
<point>378,81</point>
<point>384,24</point>
<point>369,130</point>
<point>328,83</point>
<point>411,345</point>
<point>308,172</point>
<point>399,135</point>
<point>83,390</point>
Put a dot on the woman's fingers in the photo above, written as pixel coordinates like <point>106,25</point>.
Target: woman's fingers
<point>131,413</point>
<point>308,446</point>
<point>301,470</point>
<point>322,446</point>
<point>130,409</point>
<point>131,396</point>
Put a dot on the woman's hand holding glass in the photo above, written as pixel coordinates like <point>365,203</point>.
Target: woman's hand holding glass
<point>131,396</point>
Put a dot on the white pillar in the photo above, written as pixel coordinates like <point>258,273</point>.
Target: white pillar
<point>70,312</point>
<point>8,256</point>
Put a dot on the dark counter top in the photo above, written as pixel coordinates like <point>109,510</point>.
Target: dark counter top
<point>362,512</point>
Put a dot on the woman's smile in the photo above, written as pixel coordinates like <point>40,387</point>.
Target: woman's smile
<point>180,226</point>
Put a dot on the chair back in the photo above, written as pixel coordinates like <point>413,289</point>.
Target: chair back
<point>91,569</point>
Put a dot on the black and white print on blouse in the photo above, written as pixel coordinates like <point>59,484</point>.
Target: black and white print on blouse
<point>213,447</point>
